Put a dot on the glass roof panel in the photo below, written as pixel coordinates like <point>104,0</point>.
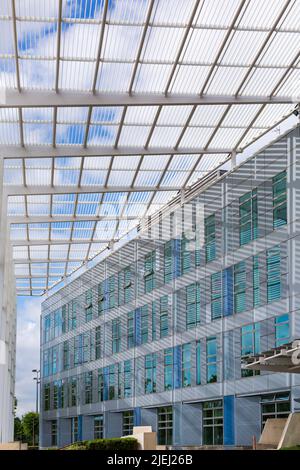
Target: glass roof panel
<point>181,44</point>
<point>260,14</point>
<point>37,74</point>
<point>61,230</point>
<point>38,231</point>
<point>79,41</point>
<point>121,42</point>
<point>162,44</point>
<point>189,78</point>
<point>198,51</point>
<point>164,11</point>
<point>217,14</point>
<point>134,135</point>
<point>152,78</point>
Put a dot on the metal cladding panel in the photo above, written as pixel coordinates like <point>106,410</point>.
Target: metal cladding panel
<point>229,419</point>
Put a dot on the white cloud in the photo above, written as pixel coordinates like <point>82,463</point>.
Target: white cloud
<point>28,352</point>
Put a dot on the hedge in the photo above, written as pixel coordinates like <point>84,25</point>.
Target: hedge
<point>126,443</point>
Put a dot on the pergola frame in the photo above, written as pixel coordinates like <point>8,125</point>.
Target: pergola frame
<point>21,99</point>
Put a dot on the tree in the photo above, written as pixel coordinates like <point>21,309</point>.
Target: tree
<point>18,429</point>
<point>30,425</point>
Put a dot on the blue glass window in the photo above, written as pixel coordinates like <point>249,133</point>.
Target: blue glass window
<point>282,330</point>
<point>211,360</point>
<point>192,305</point>
<point>210,238</point>
<point>279,186</point>
<point>273,274</point>
<point>240,287</point>
<point>168,369</point>
<point>248,217</point>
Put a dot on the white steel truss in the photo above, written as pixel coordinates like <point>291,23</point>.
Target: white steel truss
<point>109,110</point>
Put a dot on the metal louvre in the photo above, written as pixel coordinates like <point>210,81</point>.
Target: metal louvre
<point>109,109</point>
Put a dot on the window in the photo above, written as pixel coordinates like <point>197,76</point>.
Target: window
<point>256,281</point>
<point>250,345</point>
<point>210,238</point>
<point>47,328</point>
<point>46,363</point>
<point>66,355</point>
<point>88,387</point>
<point>61,397</point>
<point>111,382</point>
<point>125,285</point>
<point>279,187</point>
<point>198,362</point>
<point>282,330</point>
<point>153,321</point>
<point>127,379</point>
<point>74,429</point>
<point>211,360</point>
<point>54,360</point>
<point>53,432</point>
<point>121,383</point>
<point>168,261</point>
<point>98,427</point>
<point>185,255</point>
<point>186,361</point>
<point>73,319</point>
<point>111,292</point>
<point>128,287</point>
<point>130,330</point>
<point>144,324</point>
<point>248,217</point>
<point>276,405</point>
<point>168,369</point>
<point>86,347</point>
<point>216,295</point>
<point>98,342</point>
<point>116,335</point>
<point>65,318</point>
<point>57,324</point>
<point>273,274</point>
<point>165,425</point>
<point>163,320</point>
<point>127,425</point>
<point>101,298</point>
<point>150,373</point>
<point>240,287</point>
<point>213,422</point>
<point>47,397</point>
<point>100,385</point>
<point>78,350</point>
<point>74,391</point>
<point>149,275</point>
<point>88,305</point>
<point>192,305</point>
<point>56,385</point>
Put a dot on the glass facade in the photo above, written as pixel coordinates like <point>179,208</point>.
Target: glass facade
<point>98,427</point>
<point>165,425</point>
<point>276,405</point>
<point>213,422</point>
<point>127,423</point>
<point>161,321</point>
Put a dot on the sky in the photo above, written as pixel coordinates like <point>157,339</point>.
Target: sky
<point>28,354</point>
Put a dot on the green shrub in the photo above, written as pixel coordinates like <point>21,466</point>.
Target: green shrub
<point>127,443</point>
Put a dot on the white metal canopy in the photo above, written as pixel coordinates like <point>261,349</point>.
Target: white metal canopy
<point>108,108</point>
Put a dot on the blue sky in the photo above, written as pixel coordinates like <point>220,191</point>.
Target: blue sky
<point>28,353</point>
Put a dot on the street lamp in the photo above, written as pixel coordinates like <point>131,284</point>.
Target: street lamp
<point>37,378</point>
